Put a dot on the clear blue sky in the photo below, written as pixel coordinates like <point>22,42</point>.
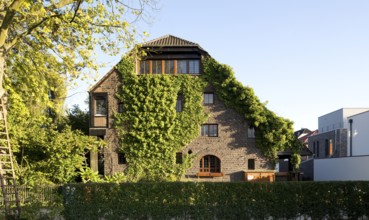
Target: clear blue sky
<point>305,58</point>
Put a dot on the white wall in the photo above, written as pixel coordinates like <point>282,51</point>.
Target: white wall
<point>330,121</point>
<point>360,134</point>
<point>339,169</point>
<point>337,119</point>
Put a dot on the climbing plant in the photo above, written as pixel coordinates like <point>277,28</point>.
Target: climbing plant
<point>151,130</point>
<point>273,133</point>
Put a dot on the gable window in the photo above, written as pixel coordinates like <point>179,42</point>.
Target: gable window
<point>210,164</point>
<point>208,98</point>
<point>120,107</point>
<point>169,66</point>
<point>251,132</point>
<point>100,105</point>
<point>251,164</point>
<point>179,103</point>
<point>194,66</point>
<point>144,67</point>
<point>122,158</point>
<point>210,130</point>
<point>181,66</point>
<point>179,158</point>
<point>156,67</point>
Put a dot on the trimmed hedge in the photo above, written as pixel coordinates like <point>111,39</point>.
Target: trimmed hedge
<point>189,200</point>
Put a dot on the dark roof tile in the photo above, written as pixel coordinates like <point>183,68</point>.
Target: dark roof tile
<point>170,41</point>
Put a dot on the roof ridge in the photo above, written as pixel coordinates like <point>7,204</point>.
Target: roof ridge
<point>170,40</point>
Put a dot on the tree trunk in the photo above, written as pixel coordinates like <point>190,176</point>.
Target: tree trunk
<point>2,71</point>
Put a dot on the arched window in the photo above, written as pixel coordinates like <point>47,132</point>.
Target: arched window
<point>210,164</point>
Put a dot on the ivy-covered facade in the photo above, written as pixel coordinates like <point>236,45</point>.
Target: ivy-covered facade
<point>167,115</point>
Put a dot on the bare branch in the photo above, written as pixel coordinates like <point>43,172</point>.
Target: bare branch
<point>75,11</point>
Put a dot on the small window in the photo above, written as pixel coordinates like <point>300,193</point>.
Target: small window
<point>251,132</point>
<point>179,103</point>
<point>120,107</point>
<point>251,164</point>
<point>317,149</point>
<point>210,130</point>
<point>210,164</point>
<point>208,98</point>
<point>169,66</point>
<point>156,66</point>
<point>181,66</point>
<point>179,158</point>
<point>144,67</point>
<point>194,66</point>
<point>328,147</point>
<point>100,105</point>
<point>122,158</point>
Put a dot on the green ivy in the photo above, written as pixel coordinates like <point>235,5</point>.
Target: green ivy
<point>273,133</point>
<point>150,129</point>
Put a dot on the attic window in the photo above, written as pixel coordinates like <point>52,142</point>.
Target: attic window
<point>100,105</point>
<point>157,66</point>
<point>169,66</point>
<point>144,67</point>
<point>194,66</point>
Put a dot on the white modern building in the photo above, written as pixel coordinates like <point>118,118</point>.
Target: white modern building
<point>341,147</point>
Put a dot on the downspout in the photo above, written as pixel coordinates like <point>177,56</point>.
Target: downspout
<point>350,121</point>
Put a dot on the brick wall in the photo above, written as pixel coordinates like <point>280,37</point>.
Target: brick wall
<point>232,146</point>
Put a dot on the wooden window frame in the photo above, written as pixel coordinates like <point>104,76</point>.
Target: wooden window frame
<point>99,97</point>
<point>175,66</point>
<point>210,166</point>
<point>207,132</point>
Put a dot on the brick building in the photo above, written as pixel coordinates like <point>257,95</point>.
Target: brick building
<point>225,148</point>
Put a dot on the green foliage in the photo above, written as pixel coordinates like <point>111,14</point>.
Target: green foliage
<point>273,133</point>
<point>189,200</point>
<point>78,119</point>
<point>150,129</point>
<point>47,150</point>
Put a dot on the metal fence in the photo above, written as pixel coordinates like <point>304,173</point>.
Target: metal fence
<point>27,194</point>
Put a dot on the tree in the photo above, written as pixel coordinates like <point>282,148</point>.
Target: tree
<point>78,119</point>
<point>44,45</point>
<point>47,39</point>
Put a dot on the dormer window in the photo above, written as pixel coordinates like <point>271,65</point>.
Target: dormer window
<point>194,66</point>
<point>144,67</point>
<point>156,67</point>
<point>170,66</point>
<point>181,66</point>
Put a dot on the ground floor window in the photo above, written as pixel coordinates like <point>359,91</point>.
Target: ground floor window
<point>210,164</point>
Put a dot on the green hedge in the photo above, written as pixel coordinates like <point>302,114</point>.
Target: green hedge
<point>188,200</point>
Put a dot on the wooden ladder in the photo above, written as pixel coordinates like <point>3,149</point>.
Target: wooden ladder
<point>7,173</point>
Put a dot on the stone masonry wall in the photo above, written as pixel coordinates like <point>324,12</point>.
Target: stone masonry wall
<point>232,146</point>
